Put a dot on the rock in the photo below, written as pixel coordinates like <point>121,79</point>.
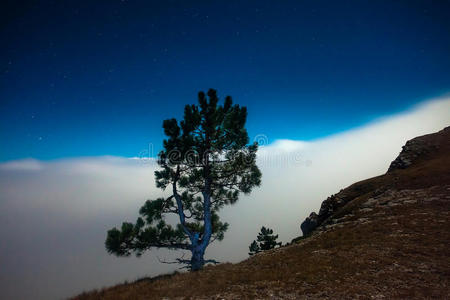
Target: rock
<point>369,203</point>
<point>414,152</point>
<point>310,224</point>
<point>412,149</point>
<point>417,149</point>
<point>327,209</point>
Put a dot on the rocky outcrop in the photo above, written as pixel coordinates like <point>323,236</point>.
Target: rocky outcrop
<point>412,151</point>
<point>415,151</point>
<point>310,224</point>
<point>381,204</point>
<point>327,209</point>
<point>418,149</point>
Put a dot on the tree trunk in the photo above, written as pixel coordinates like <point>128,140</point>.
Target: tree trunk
<point>197,260</point>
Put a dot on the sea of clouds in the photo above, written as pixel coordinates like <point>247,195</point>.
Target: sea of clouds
<point>54,214</point>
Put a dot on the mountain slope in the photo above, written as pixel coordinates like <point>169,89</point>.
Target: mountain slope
<point>384,237</point>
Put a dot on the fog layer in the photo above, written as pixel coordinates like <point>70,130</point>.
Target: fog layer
<point>54,214</point>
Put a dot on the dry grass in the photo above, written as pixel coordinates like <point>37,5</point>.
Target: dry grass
<point>389,252</point>
<point>400,254</point>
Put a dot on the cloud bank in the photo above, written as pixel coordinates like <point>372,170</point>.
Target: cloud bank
<point>54,215</point>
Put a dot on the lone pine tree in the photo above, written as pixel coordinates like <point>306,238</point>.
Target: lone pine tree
<point>207,162</point>
<point>266,241</point>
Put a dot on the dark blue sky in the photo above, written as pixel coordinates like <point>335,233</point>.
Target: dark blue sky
<point>79,78</point>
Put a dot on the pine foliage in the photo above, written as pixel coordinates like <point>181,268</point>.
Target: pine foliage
<point>266,241</point>
<point>206,163</point>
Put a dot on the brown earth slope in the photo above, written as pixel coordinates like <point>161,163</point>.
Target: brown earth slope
<point>384,237</point>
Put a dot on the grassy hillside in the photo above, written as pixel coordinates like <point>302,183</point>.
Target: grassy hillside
<point>386,237</point>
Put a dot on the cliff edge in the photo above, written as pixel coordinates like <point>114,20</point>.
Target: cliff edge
<point>422,163</point>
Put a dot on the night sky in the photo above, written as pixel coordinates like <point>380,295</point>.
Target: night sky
<point>88,78</point>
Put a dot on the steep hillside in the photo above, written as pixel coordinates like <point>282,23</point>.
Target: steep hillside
<point>384,237</point>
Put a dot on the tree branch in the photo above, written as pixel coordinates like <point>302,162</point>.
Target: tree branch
<point>212,261</point>
<point>180,205</point>
<point>177,260</point>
